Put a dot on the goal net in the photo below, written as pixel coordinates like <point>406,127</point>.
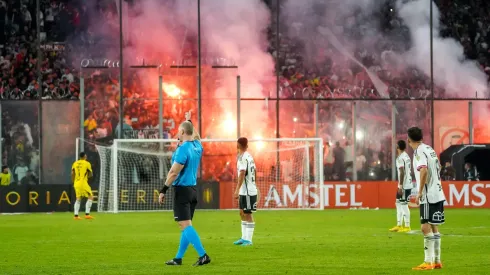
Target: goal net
<point>130,173</point>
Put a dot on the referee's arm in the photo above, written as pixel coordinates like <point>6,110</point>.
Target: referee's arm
<point>195,133</point>
<point>172,175</point>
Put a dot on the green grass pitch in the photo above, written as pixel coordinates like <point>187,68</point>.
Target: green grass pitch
<point>285,242</point>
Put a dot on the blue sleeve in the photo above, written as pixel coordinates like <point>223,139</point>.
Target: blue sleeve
<point>199,145</point>
<point>180,155</point>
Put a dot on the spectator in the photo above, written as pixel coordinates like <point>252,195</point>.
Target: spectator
<point>26,16</point>
<point>448,172</point>
<point>5,176</point>
<point>20,171</point>
<point>349,158</point>
<point>360,165</point>
<point>90,123</point>
<point>329,161</point>
<point>29,179</point>
<point>126,126</point>
<point>470,172</point>
<point>338,165</point>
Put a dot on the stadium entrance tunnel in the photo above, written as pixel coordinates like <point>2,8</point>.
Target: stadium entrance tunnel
<point>477,155</point>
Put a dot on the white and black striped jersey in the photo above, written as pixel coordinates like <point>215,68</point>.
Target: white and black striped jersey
<point>246,163</point>
<point>425,156</point>
<point>404,161</point>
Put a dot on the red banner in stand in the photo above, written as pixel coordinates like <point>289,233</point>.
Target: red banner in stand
<point>372,194</point>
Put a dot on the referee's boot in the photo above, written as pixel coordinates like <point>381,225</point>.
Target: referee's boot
<point>174,262</point>
<point>203,260</point>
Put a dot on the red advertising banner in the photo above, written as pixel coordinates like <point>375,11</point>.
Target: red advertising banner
<point>372,194</point>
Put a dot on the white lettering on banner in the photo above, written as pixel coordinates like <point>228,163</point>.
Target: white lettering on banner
<point>313,195</point>
<point>456,196</point>
<point>477,193</point>
<point>353,202</point>
<point>339,195</point>
<point>326,191</point>
<point>292,197</point>
<point>302,195</point>
<point>274,195</point>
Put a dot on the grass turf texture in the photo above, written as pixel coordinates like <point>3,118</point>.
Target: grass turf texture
<point>293,242</point>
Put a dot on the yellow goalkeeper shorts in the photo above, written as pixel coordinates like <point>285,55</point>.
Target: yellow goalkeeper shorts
<point>82,189</point>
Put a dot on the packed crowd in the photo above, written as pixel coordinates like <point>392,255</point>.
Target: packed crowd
<point>301,76</point>
<point>314,68</point>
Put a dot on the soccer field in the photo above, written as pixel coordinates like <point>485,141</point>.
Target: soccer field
<point>292,242</point>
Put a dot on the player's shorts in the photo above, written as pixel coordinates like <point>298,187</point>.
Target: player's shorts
<point>82,189</point>
<point>247,203</point>
<point>404,197</point>
<point>185,201</point>
<point>432,213</point>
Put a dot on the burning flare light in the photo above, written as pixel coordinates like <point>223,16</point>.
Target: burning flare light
<point>172,90</point>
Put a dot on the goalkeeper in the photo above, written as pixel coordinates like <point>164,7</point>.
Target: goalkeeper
<point>183,176</point>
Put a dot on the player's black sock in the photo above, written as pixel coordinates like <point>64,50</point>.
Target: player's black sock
<point>76,216</point>
<point>87,214</point>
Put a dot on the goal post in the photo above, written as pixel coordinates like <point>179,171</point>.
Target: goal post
<point>132,171</point>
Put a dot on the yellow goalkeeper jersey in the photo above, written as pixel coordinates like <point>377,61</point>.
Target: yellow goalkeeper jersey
<point>5,179</point>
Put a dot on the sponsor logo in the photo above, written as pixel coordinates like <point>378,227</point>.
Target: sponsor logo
<point>438,216</point>
<point>368,194</point>
<point>302,195</point>
<point>468,194</point>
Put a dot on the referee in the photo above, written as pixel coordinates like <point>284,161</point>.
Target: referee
<point>182,176</point>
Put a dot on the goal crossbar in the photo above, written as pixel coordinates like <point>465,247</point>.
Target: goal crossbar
<point>320,140</point>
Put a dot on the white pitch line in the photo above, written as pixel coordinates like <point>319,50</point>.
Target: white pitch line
<point>418,232</point>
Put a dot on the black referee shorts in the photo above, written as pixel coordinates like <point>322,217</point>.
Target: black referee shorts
<point>185,201</point>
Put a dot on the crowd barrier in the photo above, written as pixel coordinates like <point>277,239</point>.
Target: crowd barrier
<point>214,195</point>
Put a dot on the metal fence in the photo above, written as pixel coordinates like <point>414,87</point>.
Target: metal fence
<point>361,128</point>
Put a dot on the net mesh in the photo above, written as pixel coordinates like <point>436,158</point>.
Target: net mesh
<point>288,173</point>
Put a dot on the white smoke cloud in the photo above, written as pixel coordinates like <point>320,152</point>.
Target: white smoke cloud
<point>460,77</point>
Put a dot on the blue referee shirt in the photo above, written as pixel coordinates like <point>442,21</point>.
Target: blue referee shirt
<point>188,154</point>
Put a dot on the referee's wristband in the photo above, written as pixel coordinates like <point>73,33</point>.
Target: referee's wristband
<point>164,189</point>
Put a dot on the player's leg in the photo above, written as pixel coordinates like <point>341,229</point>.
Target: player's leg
<point>405,210</point>
<point>437,218</point>
<point>76,207</point>
<point>437,247</point>
<point>399,214</point>
<point>191,232</point>
<point>90,199</point>
<point>251,206</point>
<point>184,206</point>
<point>428,239</point>
<point>241,206</point>
<point>178,206</point>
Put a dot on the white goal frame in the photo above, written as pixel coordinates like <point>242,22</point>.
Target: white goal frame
<point>318,151</point>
